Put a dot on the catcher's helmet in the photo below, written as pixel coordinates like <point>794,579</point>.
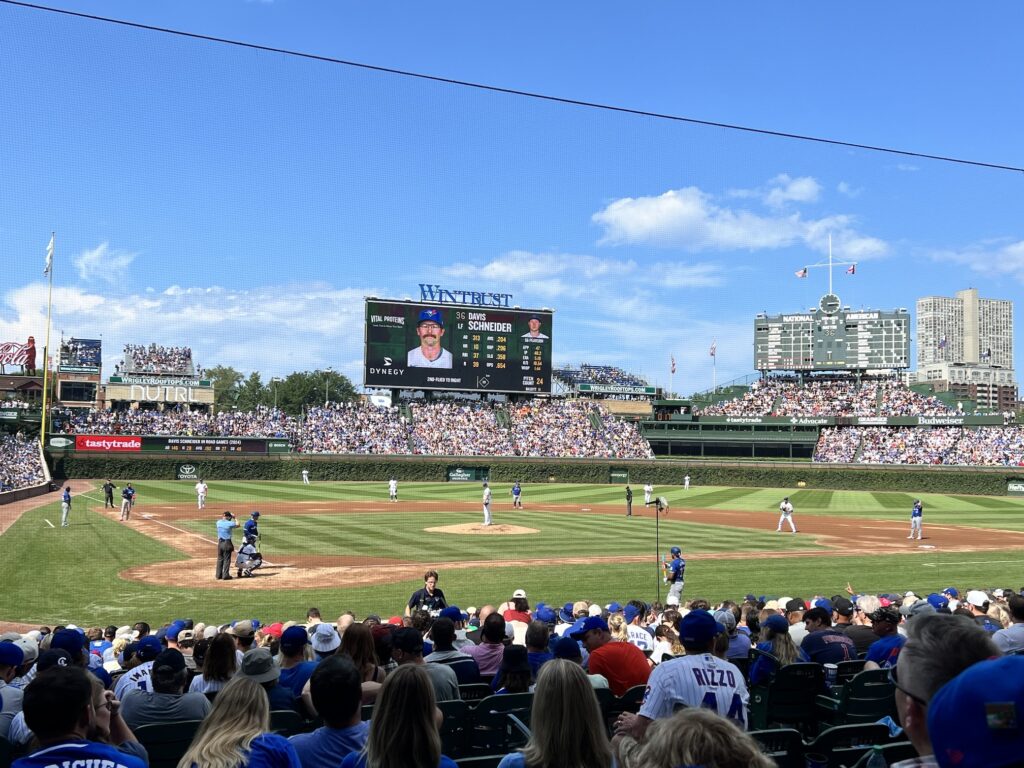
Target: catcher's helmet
<point>676,551</point>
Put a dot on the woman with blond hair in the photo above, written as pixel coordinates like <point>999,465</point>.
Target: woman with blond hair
<point>235,734</point>
<point>694,736</point>
<point>777,649</point>
<point>567,730</point>
<point>404,727</point>
<point>617,626</point>
<point>357,643</point>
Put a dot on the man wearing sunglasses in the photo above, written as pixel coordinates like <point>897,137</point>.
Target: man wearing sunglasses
<point>938,648</point>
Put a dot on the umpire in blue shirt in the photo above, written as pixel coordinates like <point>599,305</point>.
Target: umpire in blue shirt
<point>225,546</point>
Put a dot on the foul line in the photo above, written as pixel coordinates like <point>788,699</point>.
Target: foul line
<point>151,519</point>
<point>968,562</point>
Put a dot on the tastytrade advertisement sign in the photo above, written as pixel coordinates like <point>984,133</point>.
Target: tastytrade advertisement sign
<point>136,444</point>
<point>105,443</point>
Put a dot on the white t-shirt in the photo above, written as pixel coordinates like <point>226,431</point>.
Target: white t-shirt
<point>416,359</point>
<point>701,680</point>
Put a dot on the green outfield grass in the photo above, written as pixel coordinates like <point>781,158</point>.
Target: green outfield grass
<point>50,575</point>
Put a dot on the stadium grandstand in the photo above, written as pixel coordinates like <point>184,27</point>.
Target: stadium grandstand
<point>156,359</point>
<point>598,374</point>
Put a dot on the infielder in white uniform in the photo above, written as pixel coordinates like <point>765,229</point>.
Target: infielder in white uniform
<point>305,477</point>
<point>487,505</point>
<point>201,491</point>
<point>698,679</point>
<point>786,514</point>
<point>686,483</point>
<point>648,492</point>
<point>392,490</point>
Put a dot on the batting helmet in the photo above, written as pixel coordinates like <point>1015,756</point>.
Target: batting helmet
<point>255,514</point>
<point>676,551</point>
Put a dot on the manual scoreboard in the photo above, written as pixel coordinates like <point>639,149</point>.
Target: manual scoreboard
<point>459,347</point>
<point>829,338</point>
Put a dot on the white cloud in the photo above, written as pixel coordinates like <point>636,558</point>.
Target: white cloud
<point>680,275</point>
<point>907,167</point>
<point>848,190</point>
<point>691,220</point>
<point>785,189</point>
<point>104,263</point>
<point>1001,258</point>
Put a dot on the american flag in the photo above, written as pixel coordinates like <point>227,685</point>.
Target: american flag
<point>801,272</point>
<point>852,269</point>
<point>714,348</point>
<point>673,358</point>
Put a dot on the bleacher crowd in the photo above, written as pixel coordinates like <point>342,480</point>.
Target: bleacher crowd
<point>157,359</point>
<point>643,685</point>
<point>963,446</point>
<point>20,463</point>
<point>829,397</point>
<point>598,374</point>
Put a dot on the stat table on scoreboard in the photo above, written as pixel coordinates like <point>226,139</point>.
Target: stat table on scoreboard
<point>491,349</point>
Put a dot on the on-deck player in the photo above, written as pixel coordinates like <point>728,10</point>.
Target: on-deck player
<point>487,504</point>
<point>675,572</point>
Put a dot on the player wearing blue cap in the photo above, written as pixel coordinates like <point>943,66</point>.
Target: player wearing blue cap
<point>675,569</point>
<point>916,518</point>
<point>430,353</point>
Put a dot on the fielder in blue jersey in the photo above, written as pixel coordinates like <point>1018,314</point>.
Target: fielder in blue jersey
<point>517,495</point>
<point>916,518</point>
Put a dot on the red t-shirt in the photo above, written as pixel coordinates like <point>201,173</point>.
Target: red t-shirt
<point>511,615</point>
<point>623,664</point>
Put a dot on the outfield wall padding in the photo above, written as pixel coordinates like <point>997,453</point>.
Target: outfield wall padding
<point>912,479</point>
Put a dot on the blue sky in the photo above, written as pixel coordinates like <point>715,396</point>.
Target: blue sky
<point>244,202</point>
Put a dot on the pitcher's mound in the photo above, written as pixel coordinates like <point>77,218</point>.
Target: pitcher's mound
<point>486,530</point>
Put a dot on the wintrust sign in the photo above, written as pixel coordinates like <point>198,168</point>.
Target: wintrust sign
<point>107,443</point>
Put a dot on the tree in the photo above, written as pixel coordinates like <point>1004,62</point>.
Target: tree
<point>251,393</point>
<point>305,389</point>
<point>225,382</point>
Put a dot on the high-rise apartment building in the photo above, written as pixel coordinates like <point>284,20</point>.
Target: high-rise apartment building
<point>965,344</point>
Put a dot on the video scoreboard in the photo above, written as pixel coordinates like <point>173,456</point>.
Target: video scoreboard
<point>417,345</point>
<point>829,338</point>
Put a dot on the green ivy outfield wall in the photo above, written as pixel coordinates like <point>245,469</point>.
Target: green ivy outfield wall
<point>912,479</point>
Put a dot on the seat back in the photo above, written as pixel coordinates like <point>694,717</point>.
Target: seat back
<point>167,743</point>
<point>846,744</point>
<point>867,698</point>
<point>475,692</point>
<point>790,698</point>
<point>454,737</point>
<point>287,722</point>
<point>848,670</point>
<point>491,731</point>
<point>783,745</point>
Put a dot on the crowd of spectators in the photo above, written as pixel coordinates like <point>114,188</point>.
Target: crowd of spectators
<point>598,374</point>
<point>555,428</point>
<point>157,359</point>
<point>829,397</point>
<point>21,465</point>
<point>953,649</point>
<point>963,446</point>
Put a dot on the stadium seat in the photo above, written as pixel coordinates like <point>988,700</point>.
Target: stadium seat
<point>6,753</point>
<point>287,722</point>
<point>491,731</point>
<point>367,711</point>
<point>867,698</point>
<point>454,727</point>
<point>789,699</point>
<point>474,692</point>
<point>849,670</point>
<point>167,743</point>
<point>845,744</point>
<point>783,745</point>
<point>893,753</point>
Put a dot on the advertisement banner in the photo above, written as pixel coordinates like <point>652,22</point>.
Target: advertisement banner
<point>187,472</point>
<point>108,443</point>
<point>616,389</point>
<point>468,474</point>
<point>9,414</point>
<point>1015,488</point>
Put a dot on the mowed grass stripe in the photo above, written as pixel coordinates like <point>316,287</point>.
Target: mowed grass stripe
<point>894,501</point>
<point>987,502</point>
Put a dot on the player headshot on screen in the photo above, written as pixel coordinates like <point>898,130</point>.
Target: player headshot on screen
<point>430,353</point>
<point>534,333</point>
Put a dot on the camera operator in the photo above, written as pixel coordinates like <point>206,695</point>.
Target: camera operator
<point>225,546</point>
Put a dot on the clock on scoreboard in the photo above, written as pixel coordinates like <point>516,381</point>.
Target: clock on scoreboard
<point>831,337</point>
<point>416,345</point>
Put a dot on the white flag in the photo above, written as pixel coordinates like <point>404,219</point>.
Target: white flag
<point>49,256</point>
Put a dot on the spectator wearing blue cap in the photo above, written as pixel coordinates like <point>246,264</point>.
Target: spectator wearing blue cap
<point>430,353</point>
<point>976,720</point>
<point>634,612</point>
<point>146,650</point>
<point>939,647</point>
<point>295,670</point>
<point>165,701</point>
<point>777,649</point>
<point>698,679</point>
<point>623,664</point>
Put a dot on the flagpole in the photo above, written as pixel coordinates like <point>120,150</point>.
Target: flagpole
<point>46,351</point>
<point>830,262</point>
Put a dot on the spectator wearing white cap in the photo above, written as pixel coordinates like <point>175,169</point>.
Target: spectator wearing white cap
<point>977,603</point>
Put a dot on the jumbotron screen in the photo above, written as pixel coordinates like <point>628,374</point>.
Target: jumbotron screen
<point>416,345</point>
